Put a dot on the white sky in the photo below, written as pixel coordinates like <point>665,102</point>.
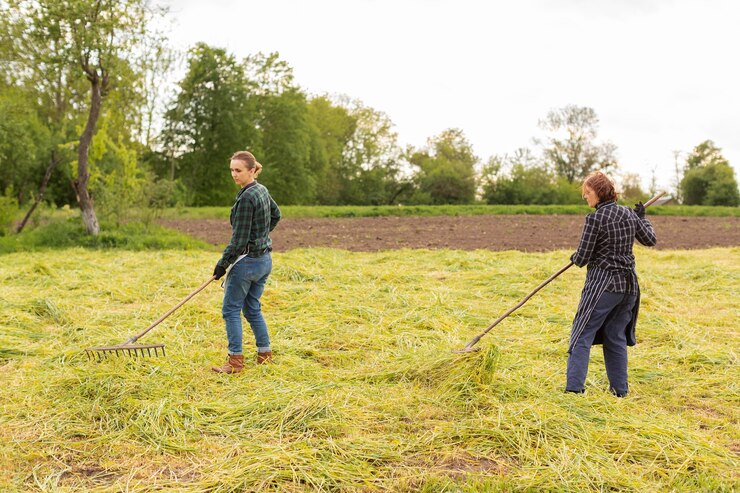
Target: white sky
<point>662,75</point>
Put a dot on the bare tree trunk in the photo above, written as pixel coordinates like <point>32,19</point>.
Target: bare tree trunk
<point>55,160</point>
<point>83,173</point>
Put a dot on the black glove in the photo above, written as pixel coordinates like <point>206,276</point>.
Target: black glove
<point>640,210</point>
<point>219,272</point>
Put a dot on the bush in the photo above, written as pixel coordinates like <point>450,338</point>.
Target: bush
<point>71,233</point>
<point>8,214</point>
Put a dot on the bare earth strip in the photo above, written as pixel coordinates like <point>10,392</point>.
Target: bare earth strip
<point>517,232</point>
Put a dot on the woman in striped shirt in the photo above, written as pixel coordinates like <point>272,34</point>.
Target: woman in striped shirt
<point>607,311</point>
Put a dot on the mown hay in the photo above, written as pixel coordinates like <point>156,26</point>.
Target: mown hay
<point>366,393</point>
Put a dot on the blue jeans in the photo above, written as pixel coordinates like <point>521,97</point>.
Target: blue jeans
<point>242,290</point>
<point>612,314</point>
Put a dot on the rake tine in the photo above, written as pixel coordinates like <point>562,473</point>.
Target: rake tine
<point>149,351</point>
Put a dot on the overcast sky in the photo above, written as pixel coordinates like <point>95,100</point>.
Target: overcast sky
<point>662,75</point>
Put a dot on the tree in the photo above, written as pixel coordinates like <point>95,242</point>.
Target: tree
<point>286,136</point>
<point>207,122</point>
<point>286,147</point>
<point>332,127</point>
<point>24,142</point>
<point>524,179</point>
<point>709,179</point>
<point>574,153</point>
<point>632,191</point>
<point>371,160</point>
<point>94,37</point>
<point>446,169</point>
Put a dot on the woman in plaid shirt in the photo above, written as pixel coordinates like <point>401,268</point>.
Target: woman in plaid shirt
<point>253,216</point>
<point>610,299</point>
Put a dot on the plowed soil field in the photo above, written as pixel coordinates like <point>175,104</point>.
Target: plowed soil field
<point>527,233</point>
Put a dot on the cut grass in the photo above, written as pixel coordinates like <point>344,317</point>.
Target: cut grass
<point>365,394</point>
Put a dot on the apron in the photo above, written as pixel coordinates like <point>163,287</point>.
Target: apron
<point>597,282</point>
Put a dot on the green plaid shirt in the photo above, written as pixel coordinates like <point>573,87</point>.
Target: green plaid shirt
<point>253,216</point>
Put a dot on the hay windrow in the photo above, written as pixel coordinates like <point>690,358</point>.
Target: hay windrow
<point>366,394</point>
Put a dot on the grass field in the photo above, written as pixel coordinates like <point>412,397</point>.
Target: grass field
<point>444,210</point>
<point>365,394</point>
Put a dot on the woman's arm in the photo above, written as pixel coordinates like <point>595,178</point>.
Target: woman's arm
<point>587,244</point>
<point>275,214</point>
<point>645,233</point>
<point>239,233</point>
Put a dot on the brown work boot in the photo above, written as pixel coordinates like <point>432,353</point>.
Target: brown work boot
<point>264,358</point>
<point>235,364</point>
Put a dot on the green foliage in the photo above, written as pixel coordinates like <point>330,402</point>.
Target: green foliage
<point>70,233</point>
<point>206,123</point>
<point>24,144</point>
<point>572,151</point>
<point>286,151</point>
<point>523,179</point>
<point>332,129</point>
<point>631,191</point>
<point>709,178</point>
<point>705,154</point>
<point>446,169</point>
<point>371,173</point>
<point>8,212</point>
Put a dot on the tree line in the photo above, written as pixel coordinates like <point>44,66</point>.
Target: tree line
<point>80,123</point>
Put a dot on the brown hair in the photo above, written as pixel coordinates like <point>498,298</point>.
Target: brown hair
<point>602,186</point>
<point>248,159</point>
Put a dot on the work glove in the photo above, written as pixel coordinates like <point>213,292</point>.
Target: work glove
<point>219,272</point>
<point>639,210</point>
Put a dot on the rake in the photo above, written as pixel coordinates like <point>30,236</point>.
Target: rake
<point>469,347</point>
<point>129,348</point>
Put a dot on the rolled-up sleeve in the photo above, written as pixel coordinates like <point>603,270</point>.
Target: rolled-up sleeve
<point>588,242</point>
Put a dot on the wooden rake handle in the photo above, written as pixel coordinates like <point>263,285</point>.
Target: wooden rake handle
<point>170,311</point>
<point>544,283</point>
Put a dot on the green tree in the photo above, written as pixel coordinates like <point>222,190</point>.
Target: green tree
<point>446,169</point>
<point>522,178</point>
<point>95,39</point>
<point>286,147</point>
<point>24,144</point>
<point>632,191</point>
<point>332,128</point>
<point>287,137</point>
<point>572,152</point>
<point>207,122</point>
<point>709,179</point>
<point>371,169</point>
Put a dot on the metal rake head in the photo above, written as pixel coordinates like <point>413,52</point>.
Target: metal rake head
<point>132,350</point>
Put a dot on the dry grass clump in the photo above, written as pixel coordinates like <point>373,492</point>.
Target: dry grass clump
<point>366,394</point>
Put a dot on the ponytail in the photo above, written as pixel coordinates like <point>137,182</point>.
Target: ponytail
<point>248,159</point>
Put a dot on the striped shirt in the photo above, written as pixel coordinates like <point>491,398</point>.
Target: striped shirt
<point>253,216</point>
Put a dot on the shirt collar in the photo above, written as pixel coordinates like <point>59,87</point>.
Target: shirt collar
<point>238,194</point>
<point>603,204</point>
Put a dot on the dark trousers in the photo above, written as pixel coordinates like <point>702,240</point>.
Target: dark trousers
<point>612,314</point>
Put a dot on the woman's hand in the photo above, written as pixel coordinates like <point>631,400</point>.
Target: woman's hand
<point>640,210</point>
